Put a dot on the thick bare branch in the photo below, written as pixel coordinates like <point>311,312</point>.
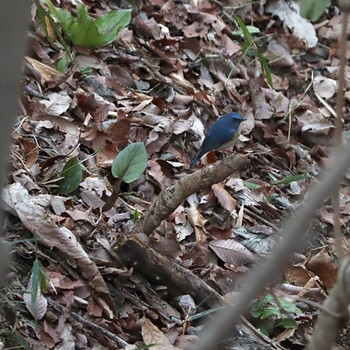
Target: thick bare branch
<point>170,198</point>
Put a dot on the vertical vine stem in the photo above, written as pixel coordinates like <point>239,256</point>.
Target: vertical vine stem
<point>338,134</point>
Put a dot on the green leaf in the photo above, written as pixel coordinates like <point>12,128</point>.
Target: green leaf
<point>271,311</point>
<point>42,278</point>
<point>43,15</point>
<point>136,215</point>
<point>289,307</point>
<point>110,24</point>
<point>203,314</point>
<point>251,49</point>
<point>287,323</point>
<point>251,185</point>
<point>256,313</point>
<point>86,72</point>
<point>268,298</point>
<point>289,179</point>
<point>271,197</point>
<point>263,328</point>
<point>130,163</point>
<point>65,18</point>
<point>314,9</point>
<point>35,281</point>
<point>39,280</point>
<point>88,32</point>
<point>251,30</point>
<point>259,308</point>
<point>47,14</point>
<point>247,36</point>
<point>265,67</point>
<point>84,32</point>
<point>72,175</point>
<point>62,63</point>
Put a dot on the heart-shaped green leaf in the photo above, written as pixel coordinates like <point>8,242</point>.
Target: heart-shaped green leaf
<point>110,24</point>
<point>130,163</point>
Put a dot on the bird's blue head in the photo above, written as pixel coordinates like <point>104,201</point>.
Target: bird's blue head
<point>228,123</point>
<point>235,117</point>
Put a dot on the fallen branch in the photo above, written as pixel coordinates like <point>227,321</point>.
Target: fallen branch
<point>158,269</point>
<point>170,198</point>
<point>94,326</point>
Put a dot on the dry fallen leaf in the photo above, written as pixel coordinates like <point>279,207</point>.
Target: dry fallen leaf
<point>323,266</point>
<point>224,198</point>
<point>43,71</point>
<point>153,336</point>
<point>325,87</point>
<point>38,310</point>
<point>31,211</point>
<point>289,13</point>
<point>232,252</point>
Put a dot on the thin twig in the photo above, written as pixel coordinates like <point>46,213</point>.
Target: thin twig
<point>260,218</point>
<point>33,93</point>
<point>92,325</point>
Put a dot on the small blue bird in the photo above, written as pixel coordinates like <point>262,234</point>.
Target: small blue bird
<point>223,134</point>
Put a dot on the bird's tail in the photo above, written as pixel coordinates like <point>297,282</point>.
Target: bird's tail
<point>195,160</point>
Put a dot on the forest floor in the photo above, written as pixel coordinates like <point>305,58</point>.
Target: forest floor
<point>73,283</point>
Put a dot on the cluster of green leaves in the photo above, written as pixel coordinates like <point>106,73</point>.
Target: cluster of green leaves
<point>278,311</point>
<point>251,47</point>
<point>314,9</point>
<point>310,9</point>
<point>48,22</point>
<point>128,166</point>
<point>84,30</point>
